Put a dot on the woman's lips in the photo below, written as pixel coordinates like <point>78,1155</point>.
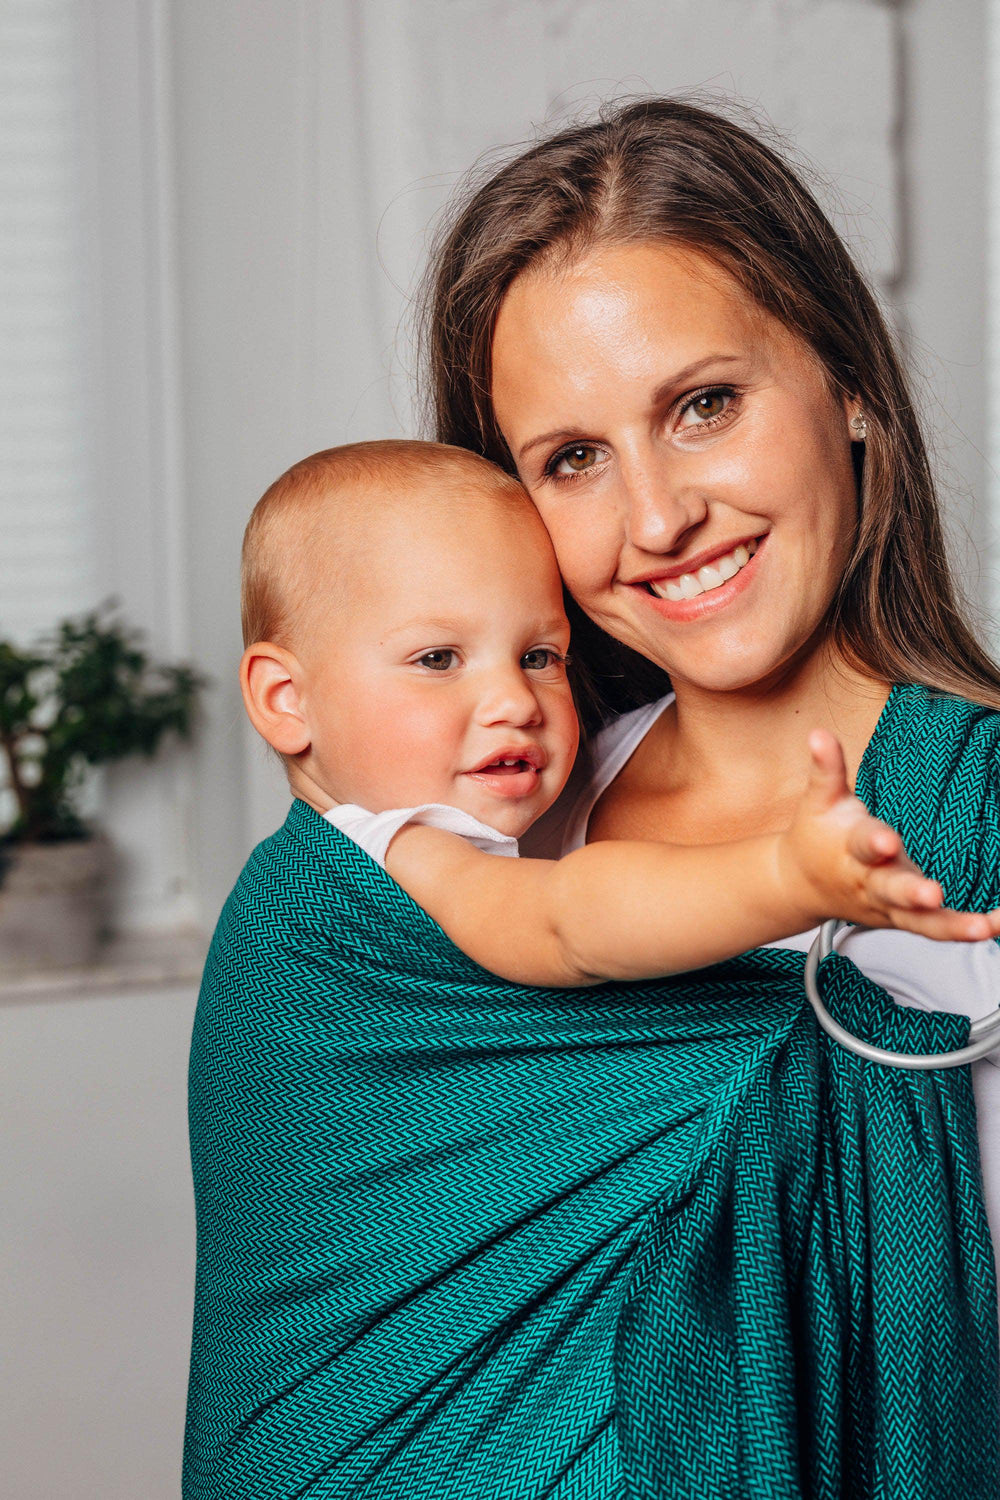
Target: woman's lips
<point>706,603</point>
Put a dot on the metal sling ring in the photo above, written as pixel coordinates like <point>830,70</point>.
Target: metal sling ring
<point>984,1033</point>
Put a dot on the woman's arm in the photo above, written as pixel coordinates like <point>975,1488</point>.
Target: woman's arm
<point>620,910</point>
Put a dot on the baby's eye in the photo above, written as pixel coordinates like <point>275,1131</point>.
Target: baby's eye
<point>542,657</point>
<point>441,660</point>
<point>707,407</point>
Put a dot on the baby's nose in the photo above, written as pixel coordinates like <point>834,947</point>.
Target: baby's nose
<point>510,698</point>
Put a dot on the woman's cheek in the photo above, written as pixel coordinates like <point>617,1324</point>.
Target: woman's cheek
<point>586,550</point>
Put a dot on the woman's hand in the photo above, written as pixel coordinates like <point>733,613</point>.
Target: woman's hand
<point>857,866</point>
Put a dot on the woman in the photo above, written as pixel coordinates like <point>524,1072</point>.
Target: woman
<point>650,320</point>
<point>460,1238</point>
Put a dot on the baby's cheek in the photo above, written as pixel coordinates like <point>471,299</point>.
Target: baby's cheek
<point>567,727</point>
<point>419,733</point>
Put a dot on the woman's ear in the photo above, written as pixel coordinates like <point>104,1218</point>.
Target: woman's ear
<point>270,681</point>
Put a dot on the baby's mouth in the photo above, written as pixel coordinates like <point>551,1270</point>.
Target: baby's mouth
<point>505,767</point>
<point>712,576</point>
<point>511,775</point>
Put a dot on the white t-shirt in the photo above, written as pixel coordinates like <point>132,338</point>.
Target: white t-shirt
<point>376,831</point>
<point>963,978</point>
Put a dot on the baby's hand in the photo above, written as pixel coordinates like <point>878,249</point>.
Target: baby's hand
<point>857,866</point>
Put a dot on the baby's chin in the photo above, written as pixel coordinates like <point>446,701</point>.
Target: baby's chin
<point>504,821</point>
<point>509,816</point>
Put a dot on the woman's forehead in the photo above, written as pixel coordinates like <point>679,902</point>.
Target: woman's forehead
<point>642,314</point>
<point>606,284</point>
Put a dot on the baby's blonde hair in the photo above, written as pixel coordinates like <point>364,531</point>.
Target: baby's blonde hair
<point>289,515</point>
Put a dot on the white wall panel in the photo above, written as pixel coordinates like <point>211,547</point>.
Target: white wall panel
<point>138,443</point>
<point>483,75</point>
<point>941,296</point>
<point>99,1242</point>
<point>991,488</point>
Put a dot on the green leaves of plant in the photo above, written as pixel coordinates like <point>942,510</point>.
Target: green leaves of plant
<point>86,696</point>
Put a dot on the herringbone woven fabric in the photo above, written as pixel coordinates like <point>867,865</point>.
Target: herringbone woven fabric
<point>464,1240</point>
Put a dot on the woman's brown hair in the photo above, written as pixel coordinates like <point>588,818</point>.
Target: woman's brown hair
<point>665,169</point>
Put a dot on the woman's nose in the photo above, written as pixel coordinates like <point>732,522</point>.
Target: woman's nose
<point>660,506</point>
<point>508,697</point>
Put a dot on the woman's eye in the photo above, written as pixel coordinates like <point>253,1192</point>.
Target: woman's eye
<point>438,661</point>
<point>706,408</point>
<point>576,459</point>
<point>540,658</point>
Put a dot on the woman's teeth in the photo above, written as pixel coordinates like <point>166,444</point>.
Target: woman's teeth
<point>712,576</point>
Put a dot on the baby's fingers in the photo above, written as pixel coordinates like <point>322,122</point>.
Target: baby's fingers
<point>897,887</point>
<point>948,926</point>
<point>875,843</point>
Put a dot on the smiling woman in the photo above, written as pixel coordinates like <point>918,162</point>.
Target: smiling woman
<point>650,321</point>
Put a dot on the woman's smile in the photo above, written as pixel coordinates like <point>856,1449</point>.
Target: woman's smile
<point>686,453</point>
<point>704,583</point>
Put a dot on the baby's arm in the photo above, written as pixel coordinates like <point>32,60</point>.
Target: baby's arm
<point>620,910</point>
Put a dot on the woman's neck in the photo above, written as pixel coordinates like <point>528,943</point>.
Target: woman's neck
<point>719,766</point>
<point>755,738</point>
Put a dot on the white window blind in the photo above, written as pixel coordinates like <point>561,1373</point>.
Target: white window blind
<point>993,311</point>
<point>48,547</point>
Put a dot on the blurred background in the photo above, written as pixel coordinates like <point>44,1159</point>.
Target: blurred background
<point>214,215</point>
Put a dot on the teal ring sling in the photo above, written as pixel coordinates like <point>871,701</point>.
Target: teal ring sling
<point>461,1239</point>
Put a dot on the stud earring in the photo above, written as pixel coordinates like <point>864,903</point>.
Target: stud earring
<point>859,427</point>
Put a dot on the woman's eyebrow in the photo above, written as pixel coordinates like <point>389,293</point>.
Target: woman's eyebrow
<point>660,394</point>
<point>666,388</point>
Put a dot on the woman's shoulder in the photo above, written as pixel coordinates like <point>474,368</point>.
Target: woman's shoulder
<point>932,737</point>
<point>932,770</point>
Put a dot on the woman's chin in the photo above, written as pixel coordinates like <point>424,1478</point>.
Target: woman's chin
<point>726,679</point>
<point>732,668</point>
<point>753,671</point>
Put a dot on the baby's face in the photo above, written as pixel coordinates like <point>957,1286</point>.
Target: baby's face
<point>436,672</point>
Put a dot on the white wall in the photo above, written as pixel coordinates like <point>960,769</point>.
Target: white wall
<point>98,1246</point>
<point>991,164</point>
<point>942,293</point>
<point>138,437</point>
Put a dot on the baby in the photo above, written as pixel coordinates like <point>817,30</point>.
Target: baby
<point>406,656</point>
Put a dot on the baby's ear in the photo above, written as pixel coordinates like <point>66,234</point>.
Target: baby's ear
<point>270,679</point>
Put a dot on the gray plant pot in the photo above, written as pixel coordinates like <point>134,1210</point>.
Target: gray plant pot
<point>53,904</point>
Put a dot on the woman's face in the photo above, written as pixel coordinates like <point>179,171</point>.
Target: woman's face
<point>685,453</point>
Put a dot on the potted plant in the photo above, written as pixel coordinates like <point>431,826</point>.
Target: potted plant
<point>85,696</point>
